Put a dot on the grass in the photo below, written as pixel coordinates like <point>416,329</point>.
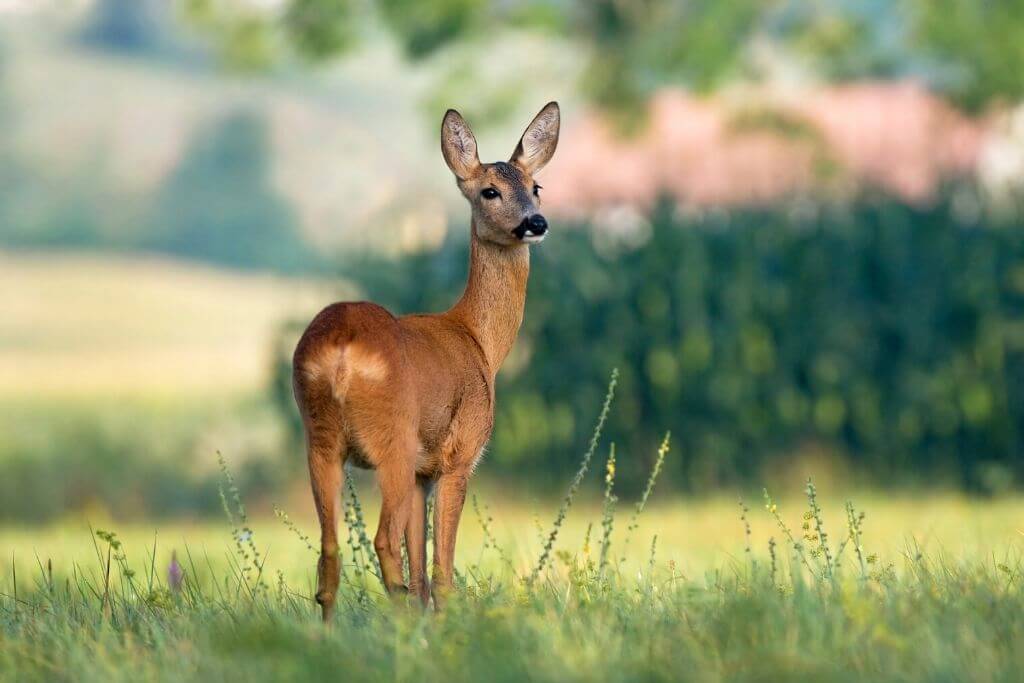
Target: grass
<point>696,535</point>
<point>920,612</point>
<point>802,589</point>
<point>805,587</point>
<point>798,588</point>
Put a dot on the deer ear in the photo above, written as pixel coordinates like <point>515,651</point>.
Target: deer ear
<point>538,143</point>
<point>458,145</point>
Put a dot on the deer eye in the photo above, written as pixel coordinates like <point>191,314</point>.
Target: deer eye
<point>490,193</point>
<point>536,190</point>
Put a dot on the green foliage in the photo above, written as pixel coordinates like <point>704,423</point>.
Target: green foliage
<point>890,334</point>
<point>967,49</point>
<point>979,44</point>
<point>244,37</point>
<point>423,27</point>
<point>850,39</point>
<point>220,206</point>
<point>638,47</point>
<point>320,28</point>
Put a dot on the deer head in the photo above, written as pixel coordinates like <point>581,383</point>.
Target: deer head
<point>504,197</point>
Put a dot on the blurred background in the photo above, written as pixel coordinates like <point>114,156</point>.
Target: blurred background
<point>795,228</point>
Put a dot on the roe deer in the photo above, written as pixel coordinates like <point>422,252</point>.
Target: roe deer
<point>413,396</point>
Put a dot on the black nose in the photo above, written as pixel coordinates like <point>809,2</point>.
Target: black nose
<point>538,224</point>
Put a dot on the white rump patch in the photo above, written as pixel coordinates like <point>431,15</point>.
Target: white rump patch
<point>367,364</point>
<point>324,365</point>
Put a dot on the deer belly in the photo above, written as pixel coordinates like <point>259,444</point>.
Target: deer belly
<point>358,458</point>
<point>428,463</point>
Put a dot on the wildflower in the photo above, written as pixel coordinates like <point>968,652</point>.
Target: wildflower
<point>608,514</point>
<point>175,575</point>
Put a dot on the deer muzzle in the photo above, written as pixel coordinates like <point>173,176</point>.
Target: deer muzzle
<point>532,229</point>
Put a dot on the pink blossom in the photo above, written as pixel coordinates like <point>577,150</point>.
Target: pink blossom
<point>762,145</point>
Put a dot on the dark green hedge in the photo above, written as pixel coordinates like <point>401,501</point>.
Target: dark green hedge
<point>888,334</point>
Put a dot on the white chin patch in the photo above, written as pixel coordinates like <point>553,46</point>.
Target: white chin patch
<point>534,239</point>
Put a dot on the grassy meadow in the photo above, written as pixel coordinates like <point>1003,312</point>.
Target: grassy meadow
<point>920,588</point>
<point>696,536</point>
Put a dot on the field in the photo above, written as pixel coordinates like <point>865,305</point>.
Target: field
<point>924,588</point>
<point>78,326</point>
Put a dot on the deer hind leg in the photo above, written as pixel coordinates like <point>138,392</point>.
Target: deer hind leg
<point>416,541</point>
<point>325,452</point>
<point>397,477</point>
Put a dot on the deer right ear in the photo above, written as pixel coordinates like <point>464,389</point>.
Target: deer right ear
<point>458,145</point>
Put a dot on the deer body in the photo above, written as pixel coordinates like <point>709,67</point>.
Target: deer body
<point>412,397</point>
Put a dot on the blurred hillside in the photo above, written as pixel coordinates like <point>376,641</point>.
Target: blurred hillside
<point>112,144</point>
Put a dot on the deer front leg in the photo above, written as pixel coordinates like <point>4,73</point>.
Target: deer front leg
<point>416,541</point>
<point>451,495</point>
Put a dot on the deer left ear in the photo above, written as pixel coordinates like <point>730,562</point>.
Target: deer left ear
<point>538,143</point>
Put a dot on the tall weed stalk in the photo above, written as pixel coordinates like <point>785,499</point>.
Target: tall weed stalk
<point>563,510</point>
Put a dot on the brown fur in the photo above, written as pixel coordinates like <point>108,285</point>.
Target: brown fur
<point>413,397</point>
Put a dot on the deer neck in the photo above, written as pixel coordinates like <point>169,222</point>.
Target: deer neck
<point>492,305</point>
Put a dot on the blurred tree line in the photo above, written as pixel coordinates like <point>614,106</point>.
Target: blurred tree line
<point>888,334</point>
<point>971,51</point>
<point>219,204</point>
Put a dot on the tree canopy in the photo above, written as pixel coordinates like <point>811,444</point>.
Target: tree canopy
<point>971,51</point>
